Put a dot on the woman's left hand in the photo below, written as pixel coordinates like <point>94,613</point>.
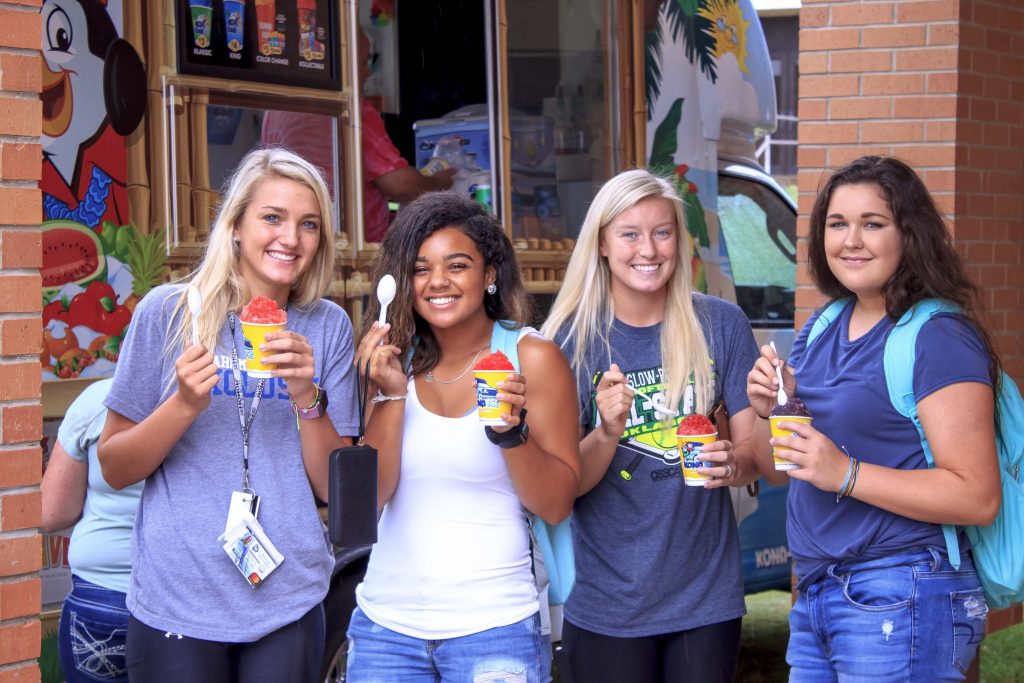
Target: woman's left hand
<point>293,356</point>
<point>720,463</point>
<point>513,390</point>
<point>822,464</point>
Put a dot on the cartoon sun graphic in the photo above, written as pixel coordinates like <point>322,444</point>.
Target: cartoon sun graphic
<point>728,29</point>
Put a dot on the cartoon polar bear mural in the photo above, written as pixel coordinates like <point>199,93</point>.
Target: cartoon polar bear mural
<point>93,95</point>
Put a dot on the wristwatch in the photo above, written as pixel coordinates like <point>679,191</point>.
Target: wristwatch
<point>318,408</point>
<point>514,437</point>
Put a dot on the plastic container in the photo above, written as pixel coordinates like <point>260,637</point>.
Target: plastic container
<point>532,138</point>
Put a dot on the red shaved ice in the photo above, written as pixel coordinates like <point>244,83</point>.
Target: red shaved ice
<point>263,311</point>
<point>695,425</point>
<point>494,361</point>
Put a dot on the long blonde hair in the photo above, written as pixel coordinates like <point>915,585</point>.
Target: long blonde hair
<point>584,305</point>
<point>217,277</point>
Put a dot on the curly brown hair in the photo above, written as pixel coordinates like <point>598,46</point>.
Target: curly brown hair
<point>929,268</point>
<point>414,223</point>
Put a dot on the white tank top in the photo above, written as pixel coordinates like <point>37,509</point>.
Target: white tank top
<point>453,555</point>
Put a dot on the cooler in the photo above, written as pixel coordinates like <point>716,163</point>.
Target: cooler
<point>467,123</point>
<point>532,139</point>
<point>543,204</point>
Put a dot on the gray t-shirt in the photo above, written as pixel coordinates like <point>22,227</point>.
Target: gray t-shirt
<point>182,580</point>
<point>654,556</point>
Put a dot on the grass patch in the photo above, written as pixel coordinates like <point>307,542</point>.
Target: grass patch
<point>1002,656</point>
<point>765,635</point>
<point>766,631</point>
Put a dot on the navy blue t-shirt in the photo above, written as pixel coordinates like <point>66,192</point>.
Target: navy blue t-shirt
<point>843,384</point>
<point>654,556</point>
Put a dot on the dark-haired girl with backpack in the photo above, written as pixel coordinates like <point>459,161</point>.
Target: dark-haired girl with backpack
<point>878,597</point>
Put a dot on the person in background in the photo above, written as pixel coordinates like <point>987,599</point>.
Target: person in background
<point>659,584</point>
<point>94,618</point>
<point>386,173</point>
<point>449,593</point>
<point>877,598</point>
<point>180,416</point>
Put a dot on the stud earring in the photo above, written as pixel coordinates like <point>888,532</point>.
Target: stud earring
<point>492,288</point>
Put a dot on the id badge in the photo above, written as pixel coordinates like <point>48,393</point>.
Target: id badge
<point>241,503</point>
<point>251,550</point>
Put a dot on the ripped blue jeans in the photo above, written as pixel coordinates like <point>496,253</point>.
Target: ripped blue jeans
<point>91,637</point>
<point>905,617</point>
<point>506,654</point>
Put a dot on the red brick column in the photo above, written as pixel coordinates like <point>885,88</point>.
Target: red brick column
<point>20,331</point>
<point>940,84</point>
<point>989,174</point>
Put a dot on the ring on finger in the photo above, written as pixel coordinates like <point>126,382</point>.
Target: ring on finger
<point>728,471</point>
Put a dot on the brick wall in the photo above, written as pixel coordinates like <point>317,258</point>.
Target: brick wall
<point>989,175</point>
<point>938,83</point>
<point>20,331</point>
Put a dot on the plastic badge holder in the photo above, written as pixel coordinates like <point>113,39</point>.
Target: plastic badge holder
<point>251,550</point>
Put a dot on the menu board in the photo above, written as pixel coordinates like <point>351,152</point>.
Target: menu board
<point>288,42</point>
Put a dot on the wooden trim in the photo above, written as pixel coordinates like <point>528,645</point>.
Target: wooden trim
<point>137,171</point>
<point>256,90</point>
<point>638,105</point>
<point>351,133</point>
<point>500,71</point>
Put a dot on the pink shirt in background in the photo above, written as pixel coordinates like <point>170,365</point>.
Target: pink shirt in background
<point>308,135</point>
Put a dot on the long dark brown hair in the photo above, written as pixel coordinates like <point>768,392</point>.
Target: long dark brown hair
<point>929,268</point>
<point>414,223</point>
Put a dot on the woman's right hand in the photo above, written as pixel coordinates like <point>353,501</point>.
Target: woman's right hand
<point>614,402</point>
<point>197,376</point>
<point>763,385</point>
<point>385,367</point>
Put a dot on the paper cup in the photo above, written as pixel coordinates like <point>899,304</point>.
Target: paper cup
<point>690,446</point>
<point>488,407</point>
<point>780,462</point>
<point>254,334</point>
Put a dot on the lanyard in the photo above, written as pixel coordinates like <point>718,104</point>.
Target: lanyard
<point>236,370</point>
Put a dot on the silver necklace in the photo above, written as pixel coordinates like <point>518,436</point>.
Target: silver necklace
<point>431,377</point>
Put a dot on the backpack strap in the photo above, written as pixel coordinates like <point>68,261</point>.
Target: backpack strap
<point>553,541</point>
<point>828,315</point>
<point>505,338</point>
<point>901,347</point>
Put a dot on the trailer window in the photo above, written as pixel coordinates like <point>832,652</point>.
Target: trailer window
<point>558,122</point>
<point>759,228</point>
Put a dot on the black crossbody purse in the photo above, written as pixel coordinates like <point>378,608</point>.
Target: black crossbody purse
<point>352,484</point>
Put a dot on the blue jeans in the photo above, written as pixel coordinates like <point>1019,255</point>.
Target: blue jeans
<point>506,654</point>
<point>91,636</point>
<point>906,617</point>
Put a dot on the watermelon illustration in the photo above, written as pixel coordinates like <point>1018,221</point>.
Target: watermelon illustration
<point>72,253</point>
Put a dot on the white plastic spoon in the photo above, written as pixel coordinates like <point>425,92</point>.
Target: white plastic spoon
<point>195,306</point>
<point>781,396</point>
<point>658,408</point>
<point>386,289</point>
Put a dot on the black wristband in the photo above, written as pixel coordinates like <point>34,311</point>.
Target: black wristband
<point>514,437</point>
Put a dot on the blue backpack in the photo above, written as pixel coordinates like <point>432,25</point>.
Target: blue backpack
<point>554,540</point>
<point>998,548</point>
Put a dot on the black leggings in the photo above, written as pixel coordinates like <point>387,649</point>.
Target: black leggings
<point>291,654</point>
<point>701,655</point>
